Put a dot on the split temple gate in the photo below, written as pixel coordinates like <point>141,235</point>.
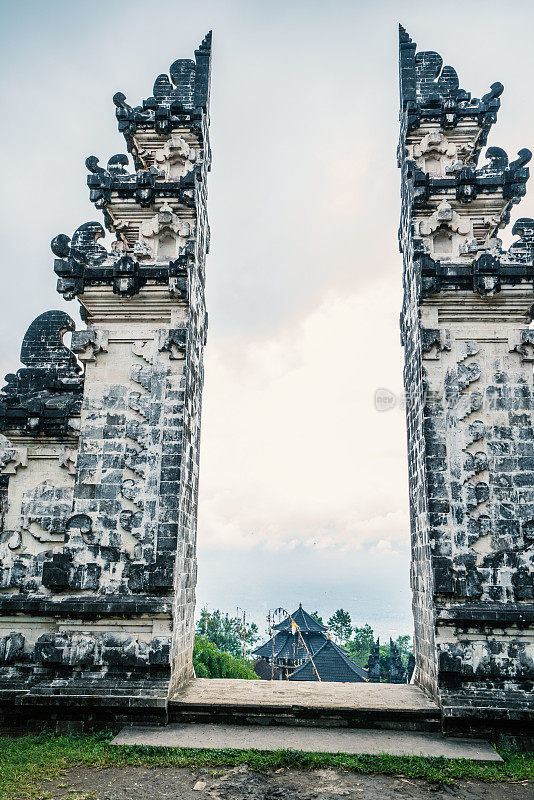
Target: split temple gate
<point>100,443</point>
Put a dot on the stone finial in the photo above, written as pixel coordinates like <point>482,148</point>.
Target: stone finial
<point>522,250</point>
<point>430,90</point>
<point>373,663</point>
<point>49,389</point>
<point>397,671</point>
<point>183,94</point>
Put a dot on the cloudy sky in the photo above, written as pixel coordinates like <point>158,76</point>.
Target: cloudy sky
<point>303,483</point>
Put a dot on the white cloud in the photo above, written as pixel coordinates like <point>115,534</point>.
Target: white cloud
<point>293,450</point>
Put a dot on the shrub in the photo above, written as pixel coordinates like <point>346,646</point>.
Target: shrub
<point>210,662</point>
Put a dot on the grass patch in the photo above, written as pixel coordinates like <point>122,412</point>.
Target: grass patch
<point>26,761</point>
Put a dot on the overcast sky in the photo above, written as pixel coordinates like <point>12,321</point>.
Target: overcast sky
<point>303,483</point>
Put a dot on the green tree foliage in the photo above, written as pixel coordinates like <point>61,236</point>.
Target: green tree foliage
<point>317,617</point>
<point>340,625</point>
<point>226,632</point>
<point>360,646</point>
<point>209,662</point>
<point>405,645</point>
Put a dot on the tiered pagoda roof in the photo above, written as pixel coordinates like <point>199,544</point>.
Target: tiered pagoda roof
<point>305,622</point>
<point>302,650</point>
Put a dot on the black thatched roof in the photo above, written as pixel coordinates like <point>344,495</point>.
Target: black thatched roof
<point>305,622</point>
<point>332,664</point>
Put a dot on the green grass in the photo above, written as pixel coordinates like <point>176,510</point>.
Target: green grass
<point>26,761</point>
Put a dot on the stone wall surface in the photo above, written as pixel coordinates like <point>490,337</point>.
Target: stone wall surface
<point>469,356</point>
<point>99,450</point>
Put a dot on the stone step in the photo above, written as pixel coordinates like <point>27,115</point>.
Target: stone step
<point>311,740</point>
<point>309,704</point>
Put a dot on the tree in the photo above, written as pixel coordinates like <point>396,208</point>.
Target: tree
<point>227,632</point>
<point>210,662</point>
<point>340,625</point>
<point>317,617</point>
<point>360,647</point>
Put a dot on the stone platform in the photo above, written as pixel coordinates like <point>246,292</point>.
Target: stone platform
<point>368,742</point>
<point>321,704</point>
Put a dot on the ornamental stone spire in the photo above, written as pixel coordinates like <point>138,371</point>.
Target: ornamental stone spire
<point>468,375</point>
<point>100,442</point>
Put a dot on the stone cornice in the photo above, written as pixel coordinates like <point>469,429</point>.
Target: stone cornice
<point>499,177</point>
<point>151,304</point>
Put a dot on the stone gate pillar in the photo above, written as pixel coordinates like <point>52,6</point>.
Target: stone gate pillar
<point>100,445</point>
<point>469,356</point>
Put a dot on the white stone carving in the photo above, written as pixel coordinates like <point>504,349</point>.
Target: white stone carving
<point>445,232</point>
<point>442,342</point>
<point>87,344</point>
<point>436,155</point>
<point>67,460</point>
<point>74,425</point>
<point>176,158</point>
<point>522,342</point>
<point>11,457</point>
<point>162,237</point>
<point>15,540</point>
<point>144,350</point>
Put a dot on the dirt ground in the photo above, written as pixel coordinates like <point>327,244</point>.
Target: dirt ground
<point>140,783</point>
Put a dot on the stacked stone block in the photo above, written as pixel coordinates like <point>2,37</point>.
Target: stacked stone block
<point>469,382</point>
<point>100,444</point>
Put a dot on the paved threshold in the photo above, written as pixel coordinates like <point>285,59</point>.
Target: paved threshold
<point>283,694</point>
<point>317,740</point>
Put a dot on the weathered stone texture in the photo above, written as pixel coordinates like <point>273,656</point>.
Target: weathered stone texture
<point>470,399</point>
<point>100,466</point>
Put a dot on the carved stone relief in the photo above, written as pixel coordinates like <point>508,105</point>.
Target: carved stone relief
<point>445,232</point>
<point>435,154</point>
<point>162,238</point>
<point>176,158</point>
